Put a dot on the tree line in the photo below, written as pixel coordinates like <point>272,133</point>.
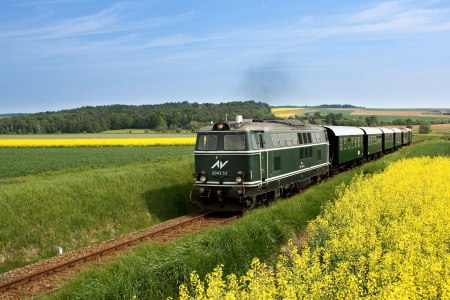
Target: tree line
<point>339,119</point>
<point>160,117</point>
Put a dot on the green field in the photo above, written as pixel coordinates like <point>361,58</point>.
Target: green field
<point>155,271</point>
<point>97,194</point>
<point>16,162</point>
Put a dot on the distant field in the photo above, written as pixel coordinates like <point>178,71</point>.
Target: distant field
<point>409,113</point>
<point>285,112</point>
<point>435,128</point>
<point>385,115</point>
<point>16,162</point>
<point>95,140</point>
<point>94,135</point>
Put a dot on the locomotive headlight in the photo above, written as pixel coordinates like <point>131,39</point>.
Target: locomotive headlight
<point>239,177</point>
<point>203,177</point>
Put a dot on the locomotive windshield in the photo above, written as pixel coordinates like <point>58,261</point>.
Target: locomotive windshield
<point>218,142</point>
<point>207,142</point>
<point>234,142</point>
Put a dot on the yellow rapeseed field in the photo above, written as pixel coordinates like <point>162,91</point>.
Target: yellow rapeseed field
<point>97,142</point>
<point>284,112</point>
<point>386,237</point>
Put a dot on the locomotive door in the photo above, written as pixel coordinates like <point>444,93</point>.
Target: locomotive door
<point>262,157</point>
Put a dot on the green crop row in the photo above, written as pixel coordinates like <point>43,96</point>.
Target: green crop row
<point>155,271</point>
<point>16,162</point>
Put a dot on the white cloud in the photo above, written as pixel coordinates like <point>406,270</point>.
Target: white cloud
<point>380,11</point>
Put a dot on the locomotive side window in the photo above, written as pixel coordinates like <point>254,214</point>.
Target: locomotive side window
<point>300,139</point>
<point>277,163</point>
<point>275,140</point>
<point>255,145</point>
<point>288,139</point>
<point>207,142</point>
<point>234,142</point>
<point>305,138</point>
<point>282,138</point>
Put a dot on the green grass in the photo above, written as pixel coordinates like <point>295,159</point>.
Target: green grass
<point>79,208</point>
<point>16,162</point>
<point>430,136</point>
<point>155,271</point>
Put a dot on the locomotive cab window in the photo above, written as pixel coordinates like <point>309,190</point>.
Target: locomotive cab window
<point>207,142</point>
<point>255,142</point>
<point>234,142</point>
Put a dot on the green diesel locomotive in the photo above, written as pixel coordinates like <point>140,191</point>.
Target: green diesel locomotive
<point>244,163</point>
<point>248,162</point>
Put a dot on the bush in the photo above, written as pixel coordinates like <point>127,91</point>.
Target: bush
<point>424,127</point>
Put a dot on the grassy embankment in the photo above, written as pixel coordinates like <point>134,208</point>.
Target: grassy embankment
<point>76,206</point>
<point>155,271</point>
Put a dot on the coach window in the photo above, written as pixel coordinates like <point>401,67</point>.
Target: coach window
<point>234,142</point>
<point>309,138</point>
<point>207,142</point>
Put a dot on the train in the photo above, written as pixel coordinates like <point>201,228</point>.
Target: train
<point>244,163</point>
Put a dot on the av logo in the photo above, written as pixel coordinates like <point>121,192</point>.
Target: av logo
<point>219,164</point>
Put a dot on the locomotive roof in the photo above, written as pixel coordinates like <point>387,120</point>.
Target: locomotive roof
<point>345,130</point>
<point>387,130</point>
<point>371,130</point>
<point>266,125</point>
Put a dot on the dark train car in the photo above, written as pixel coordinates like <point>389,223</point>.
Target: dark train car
<point>397,138</point>
<point>373,141</point>
<point>406,136</point>
<point>244,163</point>
<point>388,139</point>
<point>346,144</point>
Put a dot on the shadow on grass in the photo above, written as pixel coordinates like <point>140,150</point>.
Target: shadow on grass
<point>169,202</point>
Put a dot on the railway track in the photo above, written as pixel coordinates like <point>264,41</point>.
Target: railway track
<point>46,276</point>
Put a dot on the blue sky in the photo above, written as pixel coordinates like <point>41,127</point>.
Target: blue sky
<point>72,53</point>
